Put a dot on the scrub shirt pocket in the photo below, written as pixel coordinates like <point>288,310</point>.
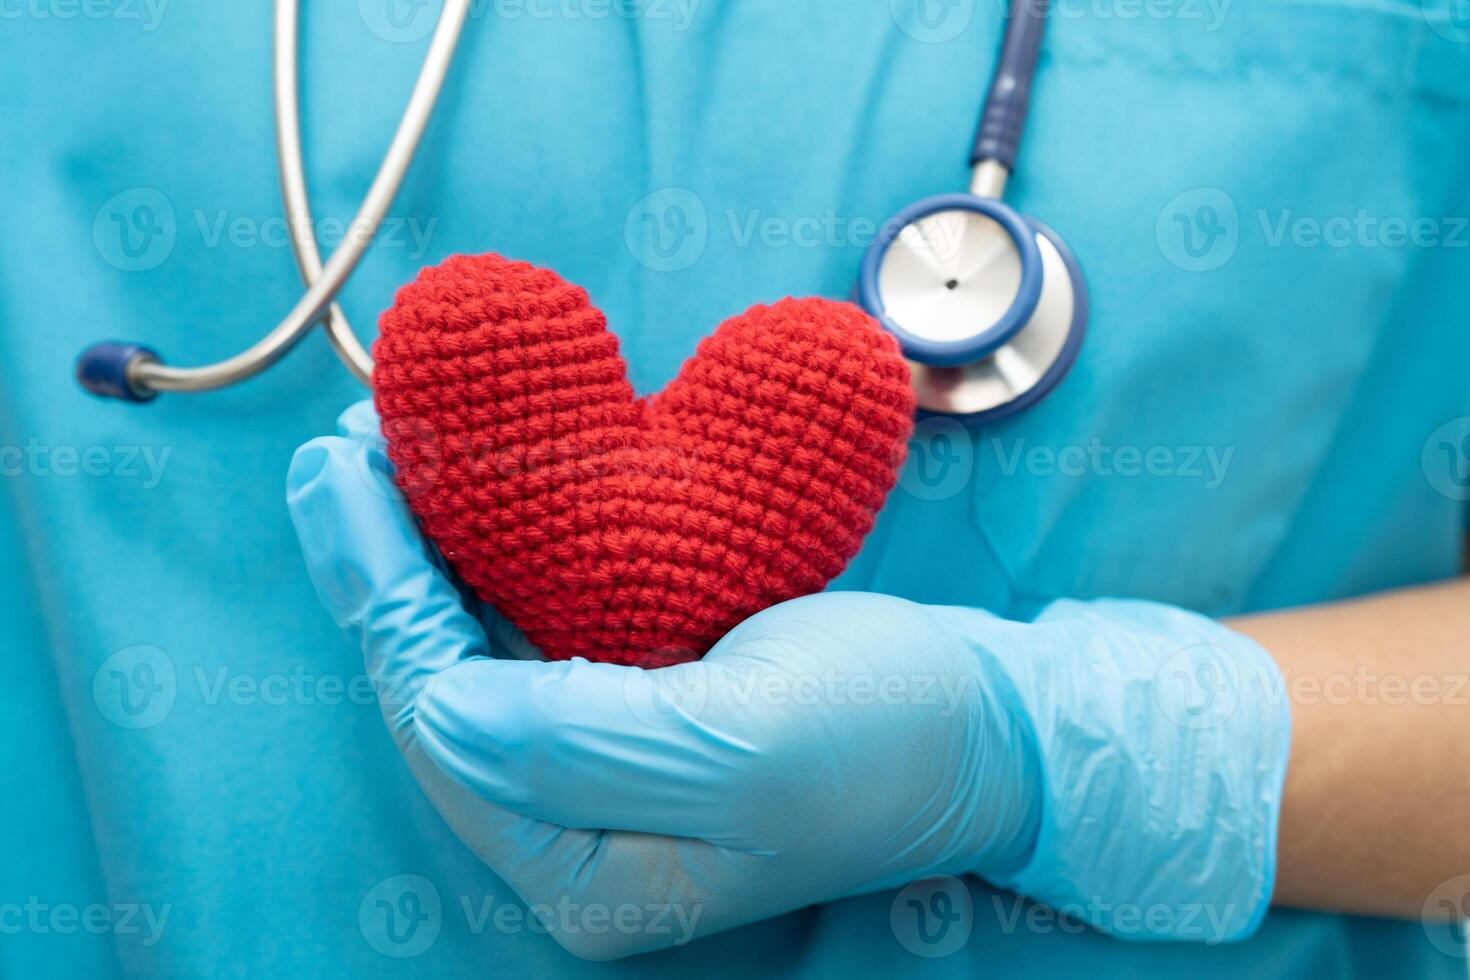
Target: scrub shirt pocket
<point>1251,242</point>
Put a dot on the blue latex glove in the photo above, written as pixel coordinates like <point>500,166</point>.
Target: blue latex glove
<point>1121,761</point>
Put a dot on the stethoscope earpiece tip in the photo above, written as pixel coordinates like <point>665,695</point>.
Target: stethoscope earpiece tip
<point>103,370</point>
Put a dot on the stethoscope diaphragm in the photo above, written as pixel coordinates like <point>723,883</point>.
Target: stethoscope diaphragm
<point>989,306</point>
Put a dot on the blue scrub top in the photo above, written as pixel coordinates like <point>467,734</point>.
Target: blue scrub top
<point>1268,199</point>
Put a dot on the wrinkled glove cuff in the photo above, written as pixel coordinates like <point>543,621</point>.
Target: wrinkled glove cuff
<point>1162,739</point>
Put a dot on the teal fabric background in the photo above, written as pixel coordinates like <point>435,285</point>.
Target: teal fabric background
<point>1281,401</point>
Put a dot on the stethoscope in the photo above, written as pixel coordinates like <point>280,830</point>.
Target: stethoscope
<point>988,305</point>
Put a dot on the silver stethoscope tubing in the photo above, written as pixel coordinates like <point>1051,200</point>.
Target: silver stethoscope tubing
<point>133,372</point>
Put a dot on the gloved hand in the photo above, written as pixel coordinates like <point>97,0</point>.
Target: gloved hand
<point>1121,761</point>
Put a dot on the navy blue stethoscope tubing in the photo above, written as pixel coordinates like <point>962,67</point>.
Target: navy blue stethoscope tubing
<point>998,137</point>
<point>998,140</point>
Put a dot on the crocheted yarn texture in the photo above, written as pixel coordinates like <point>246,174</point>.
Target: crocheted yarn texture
<point>627,530</point>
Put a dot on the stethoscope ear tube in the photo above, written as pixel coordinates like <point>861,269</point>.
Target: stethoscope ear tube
<point>102,368</point>
<point>297,204</point>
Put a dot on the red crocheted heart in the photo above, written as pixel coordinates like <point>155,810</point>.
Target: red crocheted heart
<point>635,531</point>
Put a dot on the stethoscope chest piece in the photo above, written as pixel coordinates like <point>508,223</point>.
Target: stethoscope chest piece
<point>989,306</point>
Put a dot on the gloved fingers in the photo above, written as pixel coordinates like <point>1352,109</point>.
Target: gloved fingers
<point>373,570</point>
<point>637,893</point>
<point>774,722</point>
<point>359,421</point>
<point>543,863</point>
<point>587,745</point>
<point>507,642</point>
<point>603,895</point>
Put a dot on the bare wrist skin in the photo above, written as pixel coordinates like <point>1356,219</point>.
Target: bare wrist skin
<point>1376,816</point>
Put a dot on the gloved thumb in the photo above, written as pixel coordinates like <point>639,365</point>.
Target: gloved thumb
<point>373,570</point>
